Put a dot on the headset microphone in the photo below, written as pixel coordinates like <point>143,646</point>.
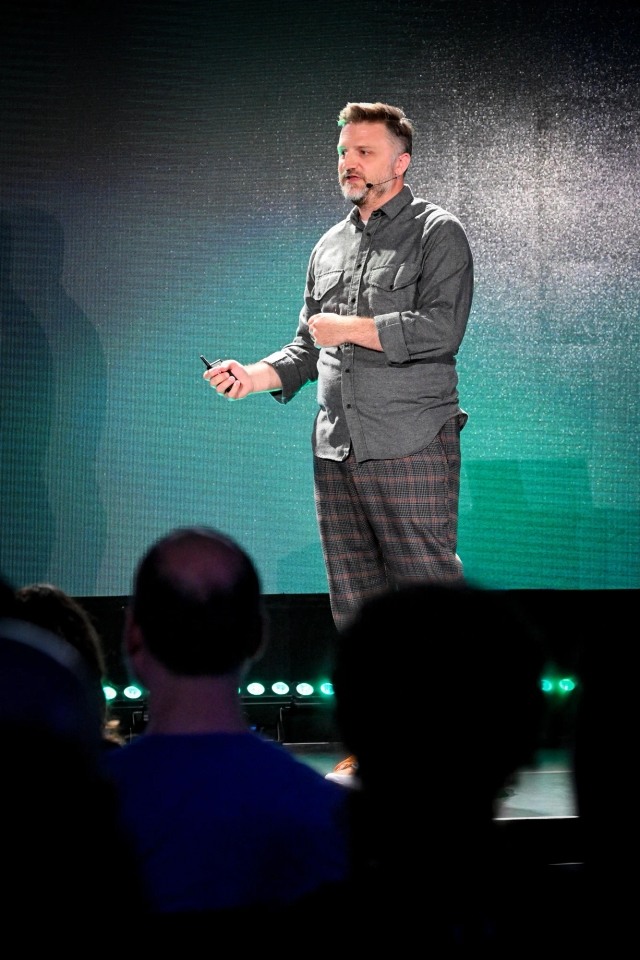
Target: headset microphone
<point>382,181</point>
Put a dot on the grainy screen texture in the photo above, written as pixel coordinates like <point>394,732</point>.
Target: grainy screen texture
<point>166,170</point>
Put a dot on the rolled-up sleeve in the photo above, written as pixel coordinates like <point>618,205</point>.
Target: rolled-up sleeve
<point>433,331</point>
<point>295,366</point>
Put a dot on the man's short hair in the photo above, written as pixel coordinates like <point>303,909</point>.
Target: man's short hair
<point>197,603</point>
<point>399,126</point>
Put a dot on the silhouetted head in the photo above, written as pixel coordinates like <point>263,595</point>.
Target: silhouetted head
<point>197,603</point>
<point>49,607</point>
<point>442,685</point>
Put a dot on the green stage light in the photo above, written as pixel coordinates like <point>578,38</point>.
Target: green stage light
<point>327,689</point>
<point>132,692</point>
<point>255,689</point>
<point>110,693</point>
<point>304,689</point>
<point>546,685</point>
<point>280,688</point>
<point>567,685</point>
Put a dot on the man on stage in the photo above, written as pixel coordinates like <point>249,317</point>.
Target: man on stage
<point>386,304</point>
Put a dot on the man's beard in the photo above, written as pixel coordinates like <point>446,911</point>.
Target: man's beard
<point>357,199</point>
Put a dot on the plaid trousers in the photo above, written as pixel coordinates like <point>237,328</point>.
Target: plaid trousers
<point>389,522</point>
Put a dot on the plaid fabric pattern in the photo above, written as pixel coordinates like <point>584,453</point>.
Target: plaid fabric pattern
<point>389,522</point>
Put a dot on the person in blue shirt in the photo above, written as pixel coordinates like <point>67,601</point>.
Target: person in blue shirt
<point>219,817</point>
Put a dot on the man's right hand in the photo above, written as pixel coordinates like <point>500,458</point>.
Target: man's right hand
<point>230,379</point>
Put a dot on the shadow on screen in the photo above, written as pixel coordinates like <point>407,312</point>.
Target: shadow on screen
<point>53,375</point>
<point>26,407</point>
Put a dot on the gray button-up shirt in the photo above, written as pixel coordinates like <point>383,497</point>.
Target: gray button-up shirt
<point>409,268</point>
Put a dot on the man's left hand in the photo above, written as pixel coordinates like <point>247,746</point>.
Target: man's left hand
<point>328,329</point>
<point>331,330</point>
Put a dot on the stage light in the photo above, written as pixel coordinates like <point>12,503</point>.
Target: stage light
<point>546,685</point>
<point>110,693</point>
<point>327,689</point>
<point>132,692</point>
<point>304,689</point>
<point>255,689</point>
<point>280,688</point>
<point>566,685</point>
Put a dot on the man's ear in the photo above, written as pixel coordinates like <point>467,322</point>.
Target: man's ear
<point>401,164</point>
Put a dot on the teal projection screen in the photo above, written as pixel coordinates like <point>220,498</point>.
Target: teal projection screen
<point>166,170</point>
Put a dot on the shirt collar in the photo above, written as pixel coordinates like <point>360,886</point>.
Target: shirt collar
<point>391,209</point>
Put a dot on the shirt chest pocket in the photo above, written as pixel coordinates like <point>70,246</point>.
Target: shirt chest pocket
<point>394,286</point>
<point>326,289</point>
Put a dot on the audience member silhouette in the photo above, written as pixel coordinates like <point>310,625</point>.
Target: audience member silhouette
<point>63,853</point>
<point>54,610</point>
<point>438,696</point>
<point>45,682</point>
<point>220,818</point>
<point>51,608</point>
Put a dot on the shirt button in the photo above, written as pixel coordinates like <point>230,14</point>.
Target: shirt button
<point>348,406</point>
<point>348,370</point>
